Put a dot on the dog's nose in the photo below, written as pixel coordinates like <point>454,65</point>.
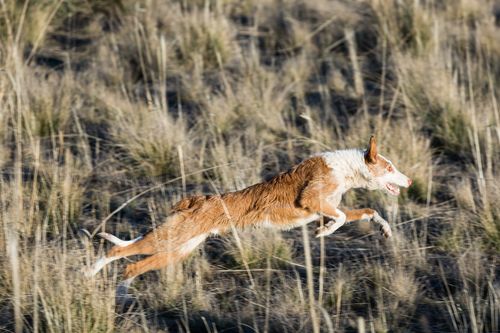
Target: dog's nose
<point>409,181</point>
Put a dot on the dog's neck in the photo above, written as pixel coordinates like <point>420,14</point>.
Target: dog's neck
<point>349,168</point>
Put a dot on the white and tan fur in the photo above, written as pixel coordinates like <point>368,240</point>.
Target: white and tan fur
<point>301,195</point>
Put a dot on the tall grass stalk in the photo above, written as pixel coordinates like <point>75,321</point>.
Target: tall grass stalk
<point>310,281</point>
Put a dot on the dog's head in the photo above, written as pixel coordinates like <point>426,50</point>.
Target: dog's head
<point>383,174</point>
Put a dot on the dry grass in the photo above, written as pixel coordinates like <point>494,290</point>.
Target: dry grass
<point>101,100</point>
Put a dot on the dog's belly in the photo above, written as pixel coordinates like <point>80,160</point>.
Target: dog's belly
<point>289,224</point>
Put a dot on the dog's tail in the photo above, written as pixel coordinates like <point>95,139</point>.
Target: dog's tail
<point>117,241</point>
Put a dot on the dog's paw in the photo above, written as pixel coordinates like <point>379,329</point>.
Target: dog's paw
<point>386,231</point>
<point>385,228</point>
<point>327,229</point>
<point>321,231</point>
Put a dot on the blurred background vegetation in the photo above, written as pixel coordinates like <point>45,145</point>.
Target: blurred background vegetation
<point>102,100</point>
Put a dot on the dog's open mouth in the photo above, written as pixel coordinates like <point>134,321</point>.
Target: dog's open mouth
<point>392,188</point>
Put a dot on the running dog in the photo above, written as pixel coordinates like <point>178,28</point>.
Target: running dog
<point>296,197</point>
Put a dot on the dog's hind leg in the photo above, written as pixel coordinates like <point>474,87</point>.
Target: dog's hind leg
<point>156,261</point>
<point>151,243</point>
<point>120,250</point>
<point>164,258</point>
<point>98,265</point>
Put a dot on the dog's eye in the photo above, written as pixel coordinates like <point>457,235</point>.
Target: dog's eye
<point>390,168</point>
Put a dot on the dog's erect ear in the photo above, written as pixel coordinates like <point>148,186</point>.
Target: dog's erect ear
<point>371,153</point>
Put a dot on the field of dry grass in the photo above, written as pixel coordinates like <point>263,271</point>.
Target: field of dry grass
<point>112,110</point>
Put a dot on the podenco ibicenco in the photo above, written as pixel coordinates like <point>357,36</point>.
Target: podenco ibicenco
<point>301,195</point>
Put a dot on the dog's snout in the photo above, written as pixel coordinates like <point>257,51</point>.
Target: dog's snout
<point>409,181</point>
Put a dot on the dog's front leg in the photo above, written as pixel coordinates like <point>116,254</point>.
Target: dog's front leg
<point>321,198</point>
<point>369,214</point>
<point>338,217</point>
